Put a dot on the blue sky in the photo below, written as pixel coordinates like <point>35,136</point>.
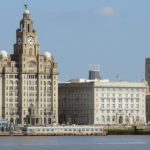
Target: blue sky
<point>112,33</point>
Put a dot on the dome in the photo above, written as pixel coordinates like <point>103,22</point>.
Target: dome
<point>26,11</point>
<point>3,53</point>
<point>47,54</point>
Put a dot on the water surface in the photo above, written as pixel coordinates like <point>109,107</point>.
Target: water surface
<point>75,143</point>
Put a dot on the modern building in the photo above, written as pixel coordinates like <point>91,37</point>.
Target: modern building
<point>147,71</point>
<point>94,72</point>
<point>147,78</point>
<point>87,102</point>
<point>148,108</point>
<point>28,80</point>
<point>0,95</point>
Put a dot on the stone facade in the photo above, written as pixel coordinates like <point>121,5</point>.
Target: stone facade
<point>102,102</point>
<point>28,80</point>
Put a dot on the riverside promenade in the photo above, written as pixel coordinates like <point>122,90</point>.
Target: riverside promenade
<point>56,131</point>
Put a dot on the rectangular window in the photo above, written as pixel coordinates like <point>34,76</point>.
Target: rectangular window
<point>102,105</point>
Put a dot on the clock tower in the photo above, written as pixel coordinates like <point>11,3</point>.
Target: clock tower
<point>26,37</point>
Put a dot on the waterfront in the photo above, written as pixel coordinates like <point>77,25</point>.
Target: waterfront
<point>75,143</point>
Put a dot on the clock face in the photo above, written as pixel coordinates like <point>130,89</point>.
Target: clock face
<point>19,41</point>
<point>30,40</point>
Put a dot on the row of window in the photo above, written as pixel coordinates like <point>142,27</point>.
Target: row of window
<point>119,100</point>
<point>11,82</point>
<point>12,88</point>
<point>36,76</point>
<point>120,95</point>
<point>28,76</point>
<point>10,93</point>
<point>120,119</point>
<point>67,130</point>
<point>11,99</point>
<point>120,111</point>
<point>16,93</point>
<point>12,76</point>
<point>35,94</point>
<point>121,89</point>
<point>120,106</point>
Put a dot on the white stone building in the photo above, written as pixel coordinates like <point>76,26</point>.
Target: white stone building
<point>102,102</point>
<point>28,80</point>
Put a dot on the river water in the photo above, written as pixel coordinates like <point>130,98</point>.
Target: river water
<point>75,143</point>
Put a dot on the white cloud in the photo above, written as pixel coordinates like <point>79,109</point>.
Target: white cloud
<point>106,11</point>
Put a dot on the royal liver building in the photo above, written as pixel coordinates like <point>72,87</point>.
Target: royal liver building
<point>28,80</point>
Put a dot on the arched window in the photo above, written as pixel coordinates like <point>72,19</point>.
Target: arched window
<point>120,120</point>
<point>32,66</point>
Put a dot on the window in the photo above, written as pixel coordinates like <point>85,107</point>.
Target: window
<point>102,94</point>
<point>102,99</point>
<point>113,100</point>
<point>137,119</point>
<point>120,100</point>
<point>120,106</point>
<point>103,119</point>
<point>108,105</point>
<point>113,119</point>
<point>108,118</point>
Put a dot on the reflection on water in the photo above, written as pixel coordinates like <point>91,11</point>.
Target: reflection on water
<point>76,143</point>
